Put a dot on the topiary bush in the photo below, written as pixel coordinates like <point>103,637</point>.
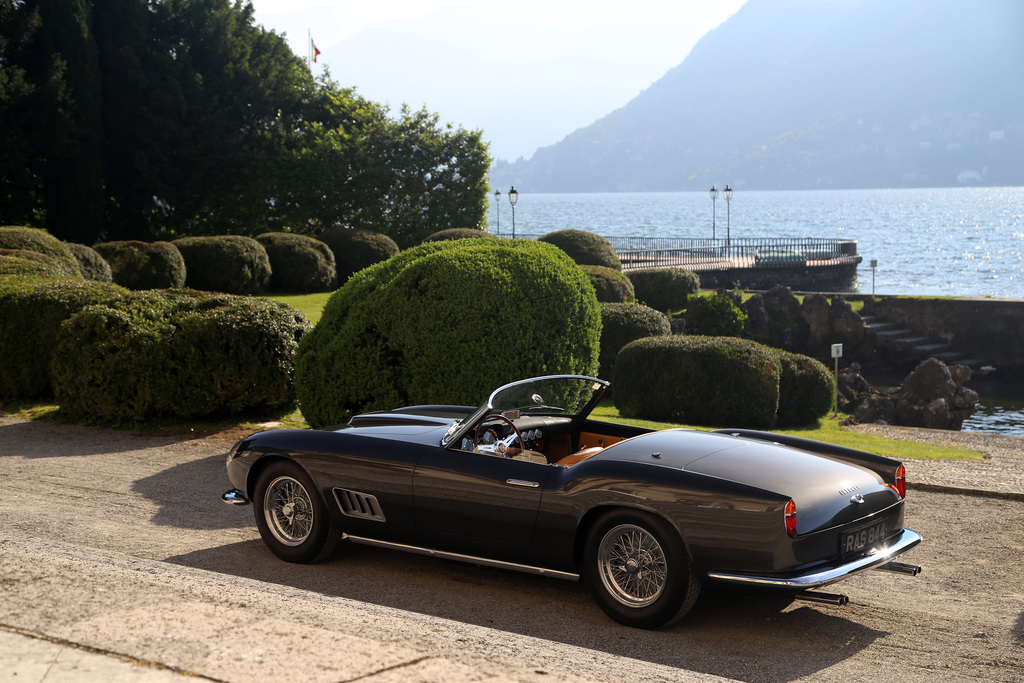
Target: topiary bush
<point>232,264</point>
<point>41,242</point>
<point>180,354</point>
<point>806,389</point>
<point>458,234</point>
<point>144,265</point>
<point>32,310</point>
<point>447,322</point>
<point>357,249</point>
<point>298,263</point>
<point>712,381</point>
<point>585,248</point>
<point>91,264</point>
<point>664,289</point>
<point>610,284</point>
<point>623,323</point>
<point>24,262</point>
<point>716,315</point>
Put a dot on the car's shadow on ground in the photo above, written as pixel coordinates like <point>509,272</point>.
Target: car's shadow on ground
<point>726,634</point>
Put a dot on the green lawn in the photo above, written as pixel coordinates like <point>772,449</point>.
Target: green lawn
<point>310,305</point>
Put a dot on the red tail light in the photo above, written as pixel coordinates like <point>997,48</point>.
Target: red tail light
<point>791,518</point>
<point>901,481</point>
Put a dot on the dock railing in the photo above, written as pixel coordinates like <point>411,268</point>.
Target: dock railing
<point>713,254</point>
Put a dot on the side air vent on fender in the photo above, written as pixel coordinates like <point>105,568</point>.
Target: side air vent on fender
<point>362,505</point>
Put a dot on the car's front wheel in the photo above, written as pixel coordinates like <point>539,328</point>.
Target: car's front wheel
<point>291,516</point>
<point>638,569</point>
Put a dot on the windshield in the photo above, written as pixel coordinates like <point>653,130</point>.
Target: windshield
<point>563,395</point>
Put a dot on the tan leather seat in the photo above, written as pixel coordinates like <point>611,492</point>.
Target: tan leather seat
<point>580,456</point>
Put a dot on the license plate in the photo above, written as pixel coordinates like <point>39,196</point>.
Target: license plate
<point>858,540</point>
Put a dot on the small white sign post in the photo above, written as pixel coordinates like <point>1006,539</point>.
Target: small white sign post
<point>837,353</point>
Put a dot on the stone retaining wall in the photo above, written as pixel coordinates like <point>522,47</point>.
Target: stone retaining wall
<point>992,329</point>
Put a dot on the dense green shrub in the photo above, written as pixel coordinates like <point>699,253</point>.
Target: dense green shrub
<point>357,249</point>
<point>664,289</point>
<point>232,264</point>
<point>713,381</point>
<point>298,263</point>
<point>457,234</point>
<point>610,284</point>
<point>447,322</point>
<point>585,248</point>
<point>182,354</point>
<point>24,262</point>
<point>806,389</point>
<point>144,265</point>
<point>623,323</point>
<point>32,310</point>
<point>41,242</point>
<point>716,315</point>
<point>92,265</point>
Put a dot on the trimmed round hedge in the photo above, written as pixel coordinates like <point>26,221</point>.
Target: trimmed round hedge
<point>716,315</point>
<point>585,248</point>
<point>806,389</point>
<point>664,289</point>
<point>144,265</point>
<point>610,284</point>
<point>357,249</point>
<point>712,381</point>
<point>232,264</point>
<point>24,262</point>
<point>181,354</point>
<point>41,242</point>
<point>624,323</point>
<point>298,263</point>
<point>33,309</point>
<point>458,234</point>
<point>447,322</point>
<point>92,265</point>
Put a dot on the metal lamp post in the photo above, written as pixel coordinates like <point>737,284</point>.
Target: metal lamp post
<point>497,211</point>
<point>513,197</point>
<point>728,214</point>
<point>714,198</point>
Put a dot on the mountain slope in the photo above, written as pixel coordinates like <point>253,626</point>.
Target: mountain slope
<point>791,94</point>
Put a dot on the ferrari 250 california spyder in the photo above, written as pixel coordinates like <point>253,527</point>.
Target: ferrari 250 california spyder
<point>527,481</point>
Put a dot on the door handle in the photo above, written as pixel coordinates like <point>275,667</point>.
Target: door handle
<point>524,483</point>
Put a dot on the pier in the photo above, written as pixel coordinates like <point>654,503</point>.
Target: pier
<point>811,264</point>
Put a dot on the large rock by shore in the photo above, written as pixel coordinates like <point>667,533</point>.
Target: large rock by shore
<point>932,396</point>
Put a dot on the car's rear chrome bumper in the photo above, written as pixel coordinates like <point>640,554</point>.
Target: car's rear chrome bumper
<point>234,497</point>
<point>876,559</point>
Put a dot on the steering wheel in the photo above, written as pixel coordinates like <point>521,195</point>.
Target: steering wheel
<point>502,442</point>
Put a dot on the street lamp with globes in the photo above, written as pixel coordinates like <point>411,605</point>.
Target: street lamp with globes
<point>714,198</point>
<point>513,197</point>
<point>497,211</point>
<point>728,213</point>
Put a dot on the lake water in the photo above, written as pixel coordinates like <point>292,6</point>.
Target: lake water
<point>928,242</point>
<point>936,242</point>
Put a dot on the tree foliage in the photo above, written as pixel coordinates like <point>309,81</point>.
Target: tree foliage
<point>158,119</point>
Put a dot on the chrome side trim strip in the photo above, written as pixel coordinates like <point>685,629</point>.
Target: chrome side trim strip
<point>482,561</point>
<point>907,540</point>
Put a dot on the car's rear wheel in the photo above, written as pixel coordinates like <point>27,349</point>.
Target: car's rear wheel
<point>638,569</point>
<point>291,516</point>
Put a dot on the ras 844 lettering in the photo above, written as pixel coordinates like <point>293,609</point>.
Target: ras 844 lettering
<point>527,481</point>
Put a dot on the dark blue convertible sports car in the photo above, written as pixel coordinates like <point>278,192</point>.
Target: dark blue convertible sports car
<point>528,482</point>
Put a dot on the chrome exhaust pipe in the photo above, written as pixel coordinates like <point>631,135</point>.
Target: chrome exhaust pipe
<point>825,598</point>
<point>900,568</point>
<point>234,497</point>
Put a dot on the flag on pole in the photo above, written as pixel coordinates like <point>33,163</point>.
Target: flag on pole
<point>314,51</point>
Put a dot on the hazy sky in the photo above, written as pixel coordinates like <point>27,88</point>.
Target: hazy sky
<point>526,73</point>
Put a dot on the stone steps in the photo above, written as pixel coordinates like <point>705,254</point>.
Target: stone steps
<point>910,348</point>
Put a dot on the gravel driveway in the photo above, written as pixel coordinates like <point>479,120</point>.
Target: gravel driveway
<point>115,546</point>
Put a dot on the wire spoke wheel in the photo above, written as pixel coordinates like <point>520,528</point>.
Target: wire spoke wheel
<point>288,510</point>
<point>632,565</point>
